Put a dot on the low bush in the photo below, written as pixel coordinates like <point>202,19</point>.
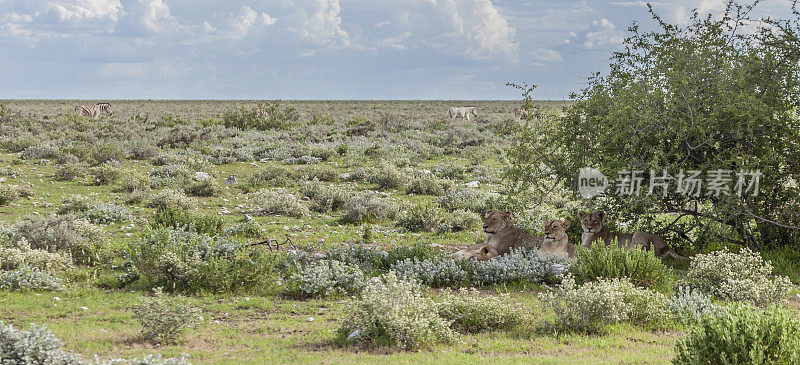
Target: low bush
<point>368,207</point>
<point>262,117</point>
<point>187,261</point>
<point>742,335</point>
<point>168,217</point>
<point>471,312</point>
<point>743,276</point>
<point>464,198</point>
<point>444,272</point>
<point>7,195</point>
<point>267,176</point>
<point>642,267</point>
<point>61,233</point>
<point>422,218</point>
<point>321,173</point>
<point>203,188</point>
<point>248,228</point>
<point>14,255</point>
<point>70,171</point>
<point>388,177</point>
<point>325,278</point>
<point>323,198</point>
<point>99,213</point>
<point>29,278</point>
<point>106,173</point>
<point>428,186</point>
<point>279,202</point>
<point>590,307</point>
<point>34,346</point>
<point>165,318</point>
<point>171,198</point>
<point>687,306</point>
<point>390,311</point>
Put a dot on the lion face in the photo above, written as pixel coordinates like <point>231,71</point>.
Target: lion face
<point>495,221</point>
<point>555,230</point>
<point>591,223</point>
<point>480,252</point>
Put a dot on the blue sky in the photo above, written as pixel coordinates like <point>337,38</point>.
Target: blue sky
<point>315,49</point>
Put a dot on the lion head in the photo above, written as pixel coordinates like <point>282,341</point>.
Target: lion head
<point>591,223</point>
<point>496,221</point>
<point>555,230</point>
<point>480,252</point>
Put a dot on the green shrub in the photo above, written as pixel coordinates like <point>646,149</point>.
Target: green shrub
<point>464,198</point>
<point>640,267</point>
<point>390,311</point>
<point>165,318</point>
<point>70,171</point>
<point>14,255</point>
<point>471,312</point>
<point>106,173</point>
<point>187,261</point>
<point>61,233</point>
<point>428,186</point>
<point>35,346</point>
<point>325,278</point>
<point>368,207</point>
<point>171,198</point>
<point>266,177</point>
<point>170,217</point>
<point>687,306</point>
<point>279,202</point>
<point>321,173</point>
<point>29,278</point>
<point>100,213</point>
<point>323,198</point>
<point>7,195</point>
<point>203,188</point>
<point>388,177</point>
<point>740,277</point>
<point>422,218</point>
<point>248,228</point>
<point>462,220</point>
<point>742,335</point>
<point>589,308</point>
<point>262,117</point>
<point>107,152</point>
<point>785,261</point>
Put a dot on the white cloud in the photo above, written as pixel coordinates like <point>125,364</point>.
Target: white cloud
<point>319,22</point>
<point>601,33</point>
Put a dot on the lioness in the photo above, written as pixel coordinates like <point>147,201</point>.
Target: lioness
<point>593,230</point>
<point>556,241</point>
<point>479,251</point>
<point>656,243</point>
<point>501,237</point>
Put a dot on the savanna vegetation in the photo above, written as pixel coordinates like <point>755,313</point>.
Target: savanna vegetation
<point>170,232</point>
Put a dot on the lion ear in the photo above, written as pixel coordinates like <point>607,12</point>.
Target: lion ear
<point>601,214</point>
<point>485,250</point>
<point>544,222</point>
<point>566,224</point>
<point>507,213</point>
<point>488,212</point>
<point>581,214</point>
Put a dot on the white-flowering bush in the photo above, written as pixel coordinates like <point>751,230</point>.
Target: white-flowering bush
<point>278,202</point>
<point>15,254</point>
<point>367,258</point>
<point>517,266</point>
<point>393,311</point>
<point>687,306</point>
<point>464,198</point>
<point>35,346</point>
<point>165,318</point>
<point>171,198</point>
<point>740,277</point>
<point>326,278</point>
<point>433,272</point>
<point>29,278</point>
<point>39,346</point>
<point>368,207</point>
<point>472,312</point>
<point>590,307</point>
<point>63,233</point>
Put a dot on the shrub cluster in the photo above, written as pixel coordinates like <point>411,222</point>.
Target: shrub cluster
<point>61,233</point>
<point>739,277</point>
<point>7,195</point>
<point>429,217</point>
<point>742,335</point>
<point>368,207</point>
<point>99,213</point>
<point>687,306</point>
<point>29,278</point>
<point>642,267</point>
<point>171,198</point>
<point>15,254</point>
<point>325,278</point>
<point>464,198</point>
<point>165,318</point>
<point>168,217</point>
<point>279,202</point>
<point>323,198</point>
<point>471,312</point>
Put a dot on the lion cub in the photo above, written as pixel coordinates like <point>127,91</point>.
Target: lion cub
<point>556,241</point>
<point>594,230</point>
<point>501,237</point>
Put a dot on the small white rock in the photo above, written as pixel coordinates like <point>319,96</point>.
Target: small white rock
<point>310,319</point>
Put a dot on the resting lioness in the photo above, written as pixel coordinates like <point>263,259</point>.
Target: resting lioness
<point>556,241</point>
<point>501,237</point>
<point>656,243</point>
<point>593,230</point>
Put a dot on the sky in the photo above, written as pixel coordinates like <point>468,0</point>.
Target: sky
<point>316,49</point>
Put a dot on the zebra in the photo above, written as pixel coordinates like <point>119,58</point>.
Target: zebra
<point>522,113</point>
<point>94,110</point>
<point>462,112</point>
